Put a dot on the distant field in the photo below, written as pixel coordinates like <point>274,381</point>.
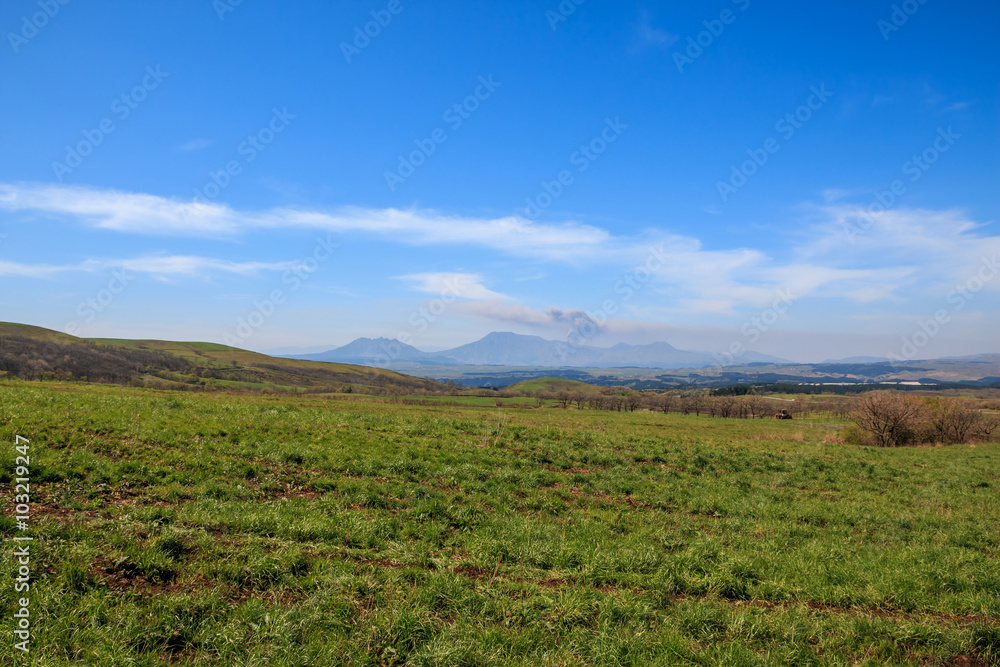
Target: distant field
<point>553,385</point>
<point>480,401</point>
<point>214,529</point>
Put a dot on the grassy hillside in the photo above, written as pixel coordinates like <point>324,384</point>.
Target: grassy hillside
<point>37,333</point>
<point>214,529</point>
<point>553,385</point>
<point>29,352</point>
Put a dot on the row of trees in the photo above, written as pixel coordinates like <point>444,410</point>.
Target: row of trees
<point>880,418</point>
<point>744,406</point>
<point>894,419</point>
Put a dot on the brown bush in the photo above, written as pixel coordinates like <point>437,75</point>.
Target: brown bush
<point>955,420</point>
<point>887,418</point>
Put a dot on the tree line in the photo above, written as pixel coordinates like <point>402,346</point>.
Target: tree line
<point>894,419</point>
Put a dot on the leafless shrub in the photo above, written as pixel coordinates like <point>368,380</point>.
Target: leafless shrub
<point>955,420</point>
<point>887,418</point>
<point>755,406</point>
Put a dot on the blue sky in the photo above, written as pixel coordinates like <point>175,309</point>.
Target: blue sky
<point>807,181</point>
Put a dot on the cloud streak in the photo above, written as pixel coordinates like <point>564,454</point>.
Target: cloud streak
<point>153,215</point>
<point>159,266</point>
<point>459,285</point>
<point>904,248</point>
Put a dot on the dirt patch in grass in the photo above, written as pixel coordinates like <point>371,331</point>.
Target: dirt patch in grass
<point>298,493</point>
<point>968,661</point>
<point>553,583</point>
<point>471,571</point>
<point>956,619</point>
<point>123,578</point>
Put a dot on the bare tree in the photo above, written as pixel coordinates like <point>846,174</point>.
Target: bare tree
<point>564,399</point>
<point>724,406</point>
<point>693,403</point>
<point>955,420</point>
<point>890,418</point>
<point>755,406</point>
<point>988,425</point>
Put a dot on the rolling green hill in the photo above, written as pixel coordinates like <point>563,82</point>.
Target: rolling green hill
<point>34,353</point>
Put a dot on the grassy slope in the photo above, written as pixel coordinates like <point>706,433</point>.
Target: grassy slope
<point>277,372</point>
<point>255,530</point>
<point>38,333</point>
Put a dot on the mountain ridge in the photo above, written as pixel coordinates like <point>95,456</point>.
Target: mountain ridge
<point>504,348</point>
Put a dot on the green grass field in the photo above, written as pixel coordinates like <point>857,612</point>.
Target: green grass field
<point>553,385</point>
<point>197,529</point>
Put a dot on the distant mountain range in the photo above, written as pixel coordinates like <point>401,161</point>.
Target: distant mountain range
<point>510,349</point>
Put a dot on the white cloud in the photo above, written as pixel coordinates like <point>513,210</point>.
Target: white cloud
<point>903,248</point>
<point>941,247</point>
<point>458,285</point>
<point>151,214</point>
<point>120,211</point>
<point>33,270</point>
<point>161,266</point>
<point>187,265</point>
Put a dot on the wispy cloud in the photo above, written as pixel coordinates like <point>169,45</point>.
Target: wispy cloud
<point>905,247</point>
<point>957,106</point>
<point>195,144</point>
<point>458,285</point>
<point>942,246</point>
<point>652,36</point>
<point>17,269</point>
<point>150,214</point>
<point>189,265</point>
<point>159,266</point>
